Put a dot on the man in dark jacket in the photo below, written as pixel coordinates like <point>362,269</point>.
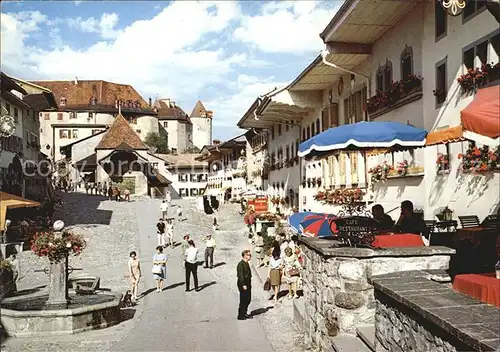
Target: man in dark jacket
<point>244,284</point>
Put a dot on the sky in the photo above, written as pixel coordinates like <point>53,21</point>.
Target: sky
<point>220,52</point>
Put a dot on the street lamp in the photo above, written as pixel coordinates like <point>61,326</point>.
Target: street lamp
<point>453,7</point>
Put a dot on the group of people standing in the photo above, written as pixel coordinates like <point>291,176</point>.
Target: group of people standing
<point>105,190</point>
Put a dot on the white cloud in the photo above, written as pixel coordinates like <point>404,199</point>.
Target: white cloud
<point>288,26</point>
<point>104,26</point>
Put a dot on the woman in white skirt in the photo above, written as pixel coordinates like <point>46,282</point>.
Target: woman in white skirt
<point>291,272</point>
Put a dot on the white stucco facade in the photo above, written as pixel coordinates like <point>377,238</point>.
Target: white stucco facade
<point>202,131</point>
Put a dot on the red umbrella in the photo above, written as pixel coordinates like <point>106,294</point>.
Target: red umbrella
<point>319,225</point>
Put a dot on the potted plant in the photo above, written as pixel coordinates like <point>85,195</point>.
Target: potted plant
<point>379,173</point>
<point>402,168</point>
<point>440,95</point>
<point>479,160</point>
<point>443,163</point>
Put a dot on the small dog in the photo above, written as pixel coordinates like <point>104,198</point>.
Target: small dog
<point>126,300</point>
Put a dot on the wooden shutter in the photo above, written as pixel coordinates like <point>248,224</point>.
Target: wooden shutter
<point>354,167</point>
<point>324,119</point>
<point>342,168</point>
<point>46,116</point>
<point>59,116</point>
<point>334,115</point>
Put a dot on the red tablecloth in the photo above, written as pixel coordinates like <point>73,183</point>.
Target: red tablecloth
<point>398,240</point>
<point>484,287</point>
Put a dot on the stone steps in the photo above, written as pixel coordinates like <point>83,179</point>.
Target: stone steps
<point>348,343</point>
<point>299,313</point>
<point>367,334</point>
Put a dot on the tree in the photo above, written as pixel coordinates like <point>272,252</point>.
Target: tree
<point>192,150</point>
<point>154,140</point>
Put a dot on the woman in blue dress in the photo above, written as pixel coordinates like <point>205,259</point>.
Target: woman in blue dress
<point>159,268</point>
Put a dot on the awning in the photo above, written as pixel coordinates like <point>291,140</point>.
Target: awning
<point>445,135</point>
<point>482,115</point>
<point>10,201</point>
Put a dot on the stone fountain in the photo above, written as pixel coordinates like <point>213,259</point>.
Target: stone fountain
<point>58,311</point>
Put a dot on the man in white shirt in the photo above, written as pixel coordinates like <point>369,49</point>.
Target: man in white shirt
<point>179,213</point>
<point>209,251</point>
<point>191,265</point>
<point>164,210</point>
<point>168,198</point>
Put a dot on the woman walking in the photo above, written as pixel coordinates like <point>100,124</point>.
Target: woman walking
<point>259,249</point>
<point>275,266</point>
<point>291,272</point>
<point>169,229</point>
<point>134,269</point>
<point>191,265</point>
<point>159,268</point>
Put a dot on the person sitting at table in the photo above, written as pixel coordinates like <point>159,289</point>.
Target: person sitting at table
<point>409,222</point>
<point>384,221</point>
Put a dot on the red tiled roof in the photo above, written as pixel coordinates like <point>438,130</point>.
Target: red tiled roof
<point>106,93</point>
<point>200,111</point>
<point>165,112</point>
<point>119,135</point>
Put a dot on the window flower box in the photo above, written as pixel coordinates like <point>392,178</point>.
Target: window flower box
<point>476,78</point>
<point>400,93</point>
<point>402,168</point>
<point>380,172</point>
<point>443,163</point>
<point>478,160</point>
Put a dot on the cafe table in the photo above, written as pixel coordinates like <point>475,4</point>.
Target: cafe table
<point>484,287</point>
<point>398,240</point>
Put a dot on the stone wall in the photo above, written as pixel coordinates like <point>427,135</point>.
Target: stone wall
<point>415,313</point>
<point>7,285</point>
<point>338,296</point>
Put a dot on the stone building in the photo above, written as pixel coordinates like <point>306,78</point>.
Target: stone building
<point>85,107</point>
<point>201,120</point>
<point>22,149</point>
<point>175,126</point>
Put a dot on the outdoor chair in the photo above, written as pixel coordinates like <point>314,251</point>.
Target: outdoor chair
<point>491,222</point>
<point>469,221</point>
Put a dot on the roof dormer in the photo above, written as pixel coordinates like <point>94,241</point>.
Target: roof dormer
<point>62,101</point>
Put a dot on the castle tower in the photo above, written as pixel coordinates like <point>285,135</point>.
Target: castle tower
<point>201,119</point>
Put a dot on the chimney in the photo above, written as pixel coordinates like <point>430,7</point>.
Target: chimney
<point>216,142</point>
<point>76,81</point>
<point>167,101</point>
<point>150,102</point>
<point>173,104</point>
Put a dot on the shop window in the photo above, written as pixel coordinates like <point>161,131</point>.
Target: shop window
<point>406,62</point>
<point>440,20</point>
<point>279,129</point>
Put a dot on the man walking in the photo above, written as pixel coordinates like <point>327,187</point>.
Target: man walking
<point>244,284</point>
<point>168,198</point>
<point>160,226</point>
<point>209,251</point>
<point>164,210</point>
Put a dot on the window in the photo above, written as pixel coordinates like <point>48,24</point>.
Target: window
<point>95,131</point>
<point>318,126</point>
<point>304,134</point>
<point>72,115</point>
<point>62,102</point>
<point>469,58</point>
<point>279,129</point>
<point>380,79</point>
<point>313,133</point>
<point>183,177</point>
<point>480,51</point>
<point>471,8</point>
<point>46,116</point>
<point>287,152</point>
<point>7,107</point>
<point>63,134</point>
<point>91,115</point>
<point>16,115</point>
<point>93,101</point>
<point>324,118</point>
<point>75,133</point>
<point>272,132</point>
<point>287,127</point>
<point>334,115</point>
<point>441,85</point>
<point>59,116</point>
<point>440,20</point>
<point>183,191</point>
<point>165,124</point>
<point>387,75</point>
<point>308,135</point>
<point>406,62</point>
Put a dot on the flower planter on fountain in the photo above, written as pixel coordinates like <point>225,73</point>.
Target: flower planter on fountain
<point>57,311</point>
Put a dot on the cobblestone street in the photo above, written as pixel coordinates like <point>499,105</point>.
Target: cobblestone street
<point>173,320</point>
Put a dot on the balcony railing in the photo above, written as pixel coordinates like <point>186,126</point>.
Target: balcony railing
<point>400,93</point>
<point>259,141</point>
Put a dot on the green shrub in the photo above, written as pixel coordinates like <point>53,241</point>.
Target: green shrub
<point>5,265</point>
